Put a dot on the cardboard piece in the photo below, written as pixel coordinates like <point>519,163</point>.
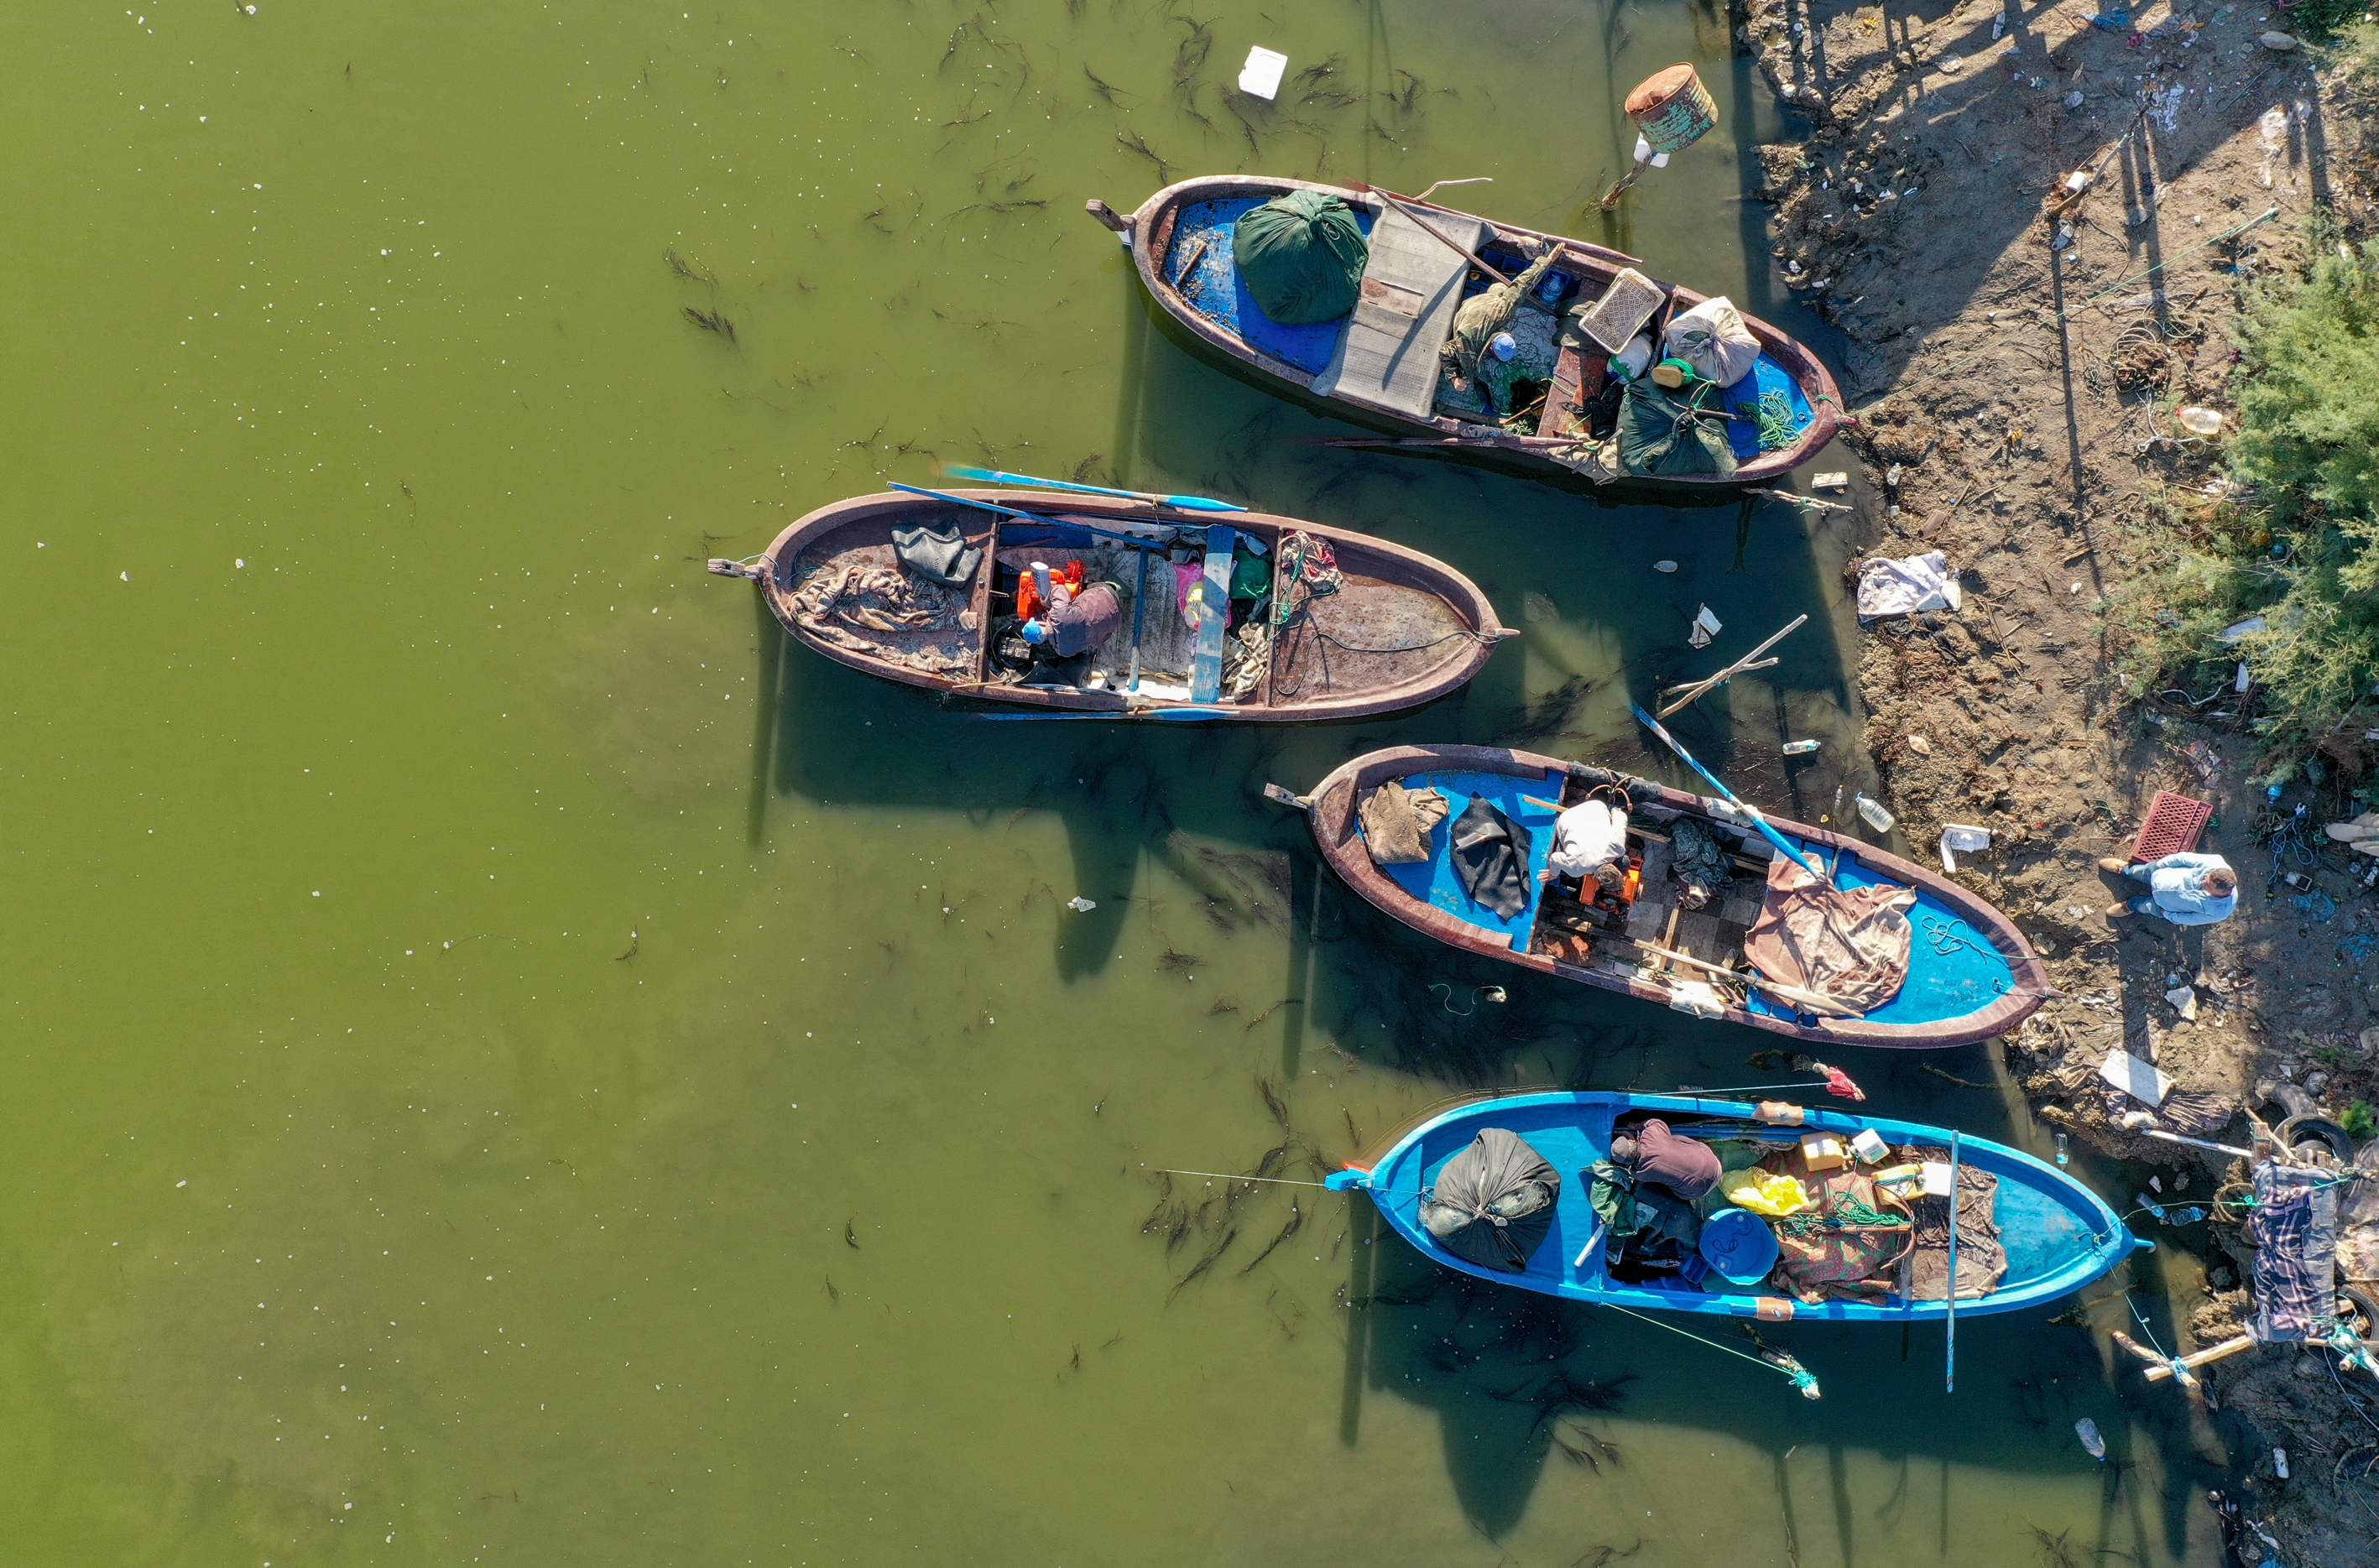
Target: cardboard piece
<point>2139,1080</point>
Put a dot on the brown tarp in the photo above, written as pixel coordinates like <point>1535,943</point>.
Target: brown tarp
<point>1397,822</point>
<point>1849,944</point>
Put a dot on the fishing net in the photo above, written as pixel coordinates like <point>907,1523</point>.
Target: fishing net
<point>1301,256</point>
<point>1493,1203</point>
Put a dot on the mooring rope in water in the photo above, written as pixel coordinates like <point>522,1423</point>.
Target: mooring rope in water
<point>1231,1175</point>
<point>1800,1375</point>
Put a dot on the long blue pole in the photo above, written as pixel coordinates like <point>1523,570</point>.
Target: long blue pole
<point>1037,516</point>
<point>1816,866</point>
<point>1184,503</point>
<point>1950,1377</point>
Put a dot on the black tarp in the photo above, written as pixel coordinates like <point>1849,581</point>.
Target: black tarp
<point>1493,1203</point>
<point>938,552</point>
<point>1490,857</point>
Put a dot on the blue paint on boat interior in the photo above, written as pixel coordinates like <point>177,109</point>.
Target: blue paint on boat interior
<point>2058,1235</point>
<point>1219,290</point>
<point>1432,881</point>
<point>1743,397</point>
<point>1953,971</point>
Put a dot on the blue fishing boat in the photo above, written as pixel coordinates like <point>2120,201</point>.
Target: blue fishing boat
<point>1727,941</point>
<point>2026,1233</point>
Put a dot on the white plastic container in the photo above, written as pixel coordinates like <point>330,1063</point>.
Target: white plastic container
<point>2200,421</point>
<point>1632,361</point>
<point>1875,816</point>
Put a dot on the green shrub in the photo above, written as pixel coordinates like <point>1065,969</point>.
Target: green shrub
<point>2300,544</point>
<point>2359,1120</point>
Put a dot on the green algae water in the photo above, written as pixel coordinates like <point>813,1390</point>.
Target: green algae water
<point>509,1062</point>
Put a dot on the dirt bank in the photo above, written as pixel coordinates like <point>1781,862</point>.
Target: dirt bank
<point>2015,353</point>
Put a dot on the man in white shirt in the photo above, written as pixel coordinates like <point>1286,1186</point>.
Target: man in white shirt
<point>1590,839</point>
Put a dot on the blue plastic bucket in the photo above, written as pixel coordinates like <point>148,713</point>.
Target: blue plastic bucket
<point>1739,1245</point>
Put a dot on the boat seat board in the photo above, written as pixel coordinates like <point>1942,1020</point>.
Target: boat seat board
<point>1206,668</point>
<point>1387,357</point>
<point>1952,968</point>
<point>1217,290</point>
<point>1434,882</point>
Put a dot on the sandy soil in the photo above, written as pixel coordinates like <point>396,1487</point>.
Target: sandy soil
<point>2013,361</point>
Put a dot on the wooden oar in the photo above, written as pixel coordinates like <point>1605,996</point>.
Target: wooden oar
<point>1793,994</point>
<point>993,477</point>
<point>1396,201</point>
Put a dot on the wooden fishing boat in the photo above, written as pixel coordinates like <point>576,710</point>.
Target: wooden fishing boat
<point>1969,974</point>
<point>2055,1234</point>
<point>1379,366</point>
<point>1388,629</point>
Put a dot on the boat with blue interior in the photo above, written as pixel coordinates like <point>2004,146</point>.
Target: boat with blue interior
<point>1683,1203</point>
<point>1695,907</point>
<point>1476,338</point>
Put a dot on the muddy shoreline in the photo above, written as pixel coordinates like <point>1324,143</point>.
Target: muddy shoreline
<point>2014,349</point>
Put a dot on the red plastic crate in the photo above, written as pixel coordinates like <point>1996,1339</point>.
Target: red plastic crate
<point>2174,822</point>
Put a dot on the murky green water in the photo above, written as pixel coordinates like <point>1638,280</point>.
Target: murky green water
<point>508,1063</point>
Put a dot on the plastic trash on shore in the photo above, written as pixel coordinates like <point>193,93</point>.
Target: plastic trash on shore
<point>1960,839</point>
<point>2237,629</point>
<point>1260,78</point>
<point>1904,588</point>
<point>2200,421</point>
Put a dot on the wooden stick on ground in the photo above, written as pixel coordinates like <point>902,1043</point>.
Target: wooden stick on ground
<point>2229,1348</point>
<point>1793,994</point>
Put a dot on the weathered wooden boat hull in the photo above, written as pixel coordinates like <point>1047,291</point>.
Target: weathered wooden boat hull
<point>2003,978</point>
<point>1149,232</point>
<point>1389,588</point>
<point>2058,1235</point>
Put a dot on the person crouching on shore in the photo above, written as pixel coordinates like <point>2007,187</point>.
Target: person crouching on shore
<point>2184,889</point>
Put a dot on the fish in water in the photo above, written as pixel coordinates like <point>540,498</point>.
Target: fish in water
<point>849,1235</point>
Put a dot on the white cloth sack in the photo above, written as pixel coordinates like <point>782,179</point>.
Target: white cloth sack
<point>1713,340</point>
<point>1904,588</point>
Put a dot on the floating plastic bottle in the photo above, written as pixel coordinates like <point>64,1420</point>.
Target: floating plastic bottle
<point>1876,816</point>
<point>2150,1204</point>
<point>2087,1431</point>
<point>1801,748</point>
<point>2188,1216</point>
<point>2061,1156</point>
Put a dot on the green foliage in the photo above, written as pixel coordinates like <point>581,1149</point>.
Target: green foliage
<point>2359,1120</point>
<point>2303,551</point>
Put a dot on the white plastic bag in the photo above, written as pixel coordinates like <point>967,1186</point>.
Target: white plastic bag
<point>1713,340</point>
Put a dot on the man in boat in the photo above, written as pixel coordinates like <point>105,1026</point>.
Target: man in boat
<point>1481,319</point>
<point>1072,623</point>
<point>2184,889</point>
<point>1685,1166</point>
<point>1590,839</point>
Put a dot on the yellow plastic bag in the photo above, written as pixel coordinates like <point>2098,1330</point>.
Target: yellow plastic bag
<point>1765,1192</point>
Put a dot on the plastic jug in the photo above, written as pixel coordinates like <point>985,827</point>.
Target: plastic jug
<point>1876,816</point>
